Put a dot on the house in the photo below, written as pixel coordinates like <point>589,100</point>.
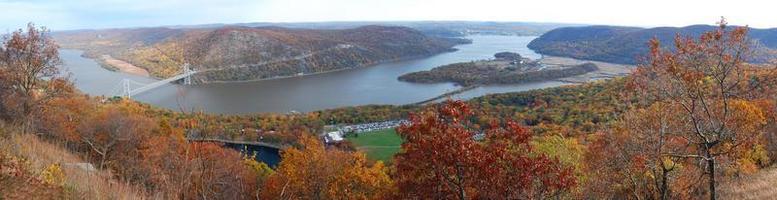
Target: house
<point>334,136</point>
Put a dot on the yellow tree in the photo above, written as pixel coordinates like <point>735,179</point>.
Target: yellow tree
<point>314,172</point>
<point>360,181</point>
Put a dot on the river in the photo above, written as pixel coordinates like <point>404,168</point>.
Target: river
<point>362,86</point>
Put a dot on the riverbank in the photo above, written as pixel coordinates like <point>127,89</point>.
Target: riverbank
<point>447,94</point>
<point>606,70</point>
<point>374,85</point>
<point>317,73</point>
<point>122,66</point>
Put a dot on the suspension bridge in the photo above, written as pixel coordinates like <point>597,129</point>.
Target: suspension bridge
<point>126,89</point>
<point>127,84</point>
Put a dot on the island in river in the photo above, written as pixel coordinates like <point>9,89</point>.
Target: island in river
<point>504,68</point>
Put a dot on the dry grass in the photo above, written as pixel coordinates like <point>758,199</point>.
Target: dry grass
<point>761,185</point>
<point>606,70</point>
<point>80,183</point>
<point>124,66</point>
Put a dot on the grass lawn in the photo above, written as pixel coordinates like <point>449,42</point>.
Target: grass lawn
<point>378,145</point>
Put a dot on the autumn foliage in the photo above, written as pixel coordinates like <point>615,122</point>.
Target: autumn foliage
<point>314,172</point>
<point>693,115</point>
<point>699,113</point>
<point>443,157</point>
<point>29,76</point>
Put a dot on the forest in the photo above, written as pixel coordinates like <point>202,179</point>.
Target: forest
<point>693,122</point>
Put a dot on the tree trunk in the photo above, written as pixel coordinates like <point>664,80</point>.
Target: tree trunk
<point>711,166</point>
<point>664,187</point>
<point>460,184</point>
<point>462,194</point>
<point>102,160</point>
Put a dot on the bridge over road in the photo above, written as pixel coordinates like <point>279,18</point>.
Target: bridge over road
<point>264,144</point>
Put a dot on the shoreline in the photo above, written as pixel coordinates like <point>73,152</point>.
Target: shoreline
<point>606,71</point>
<point>328,71</point>
<point>111,64</point>
<point>445,95</point>
<point>123,66</point>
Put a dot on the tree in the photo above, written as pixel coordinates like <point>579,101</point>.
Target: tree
<point>28,73</point>
<point>707,85</point>
<point>313,172</point>
<point>115,130</point>
<point>218,173</point>
<point>442,158</point>
<point>167,166</point>
<point>62,116</point>
<point>630,161</point>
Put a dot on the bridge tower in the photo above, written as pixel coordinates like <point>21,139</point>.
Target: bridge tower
<point>127,90</point>
<point>187,80</point>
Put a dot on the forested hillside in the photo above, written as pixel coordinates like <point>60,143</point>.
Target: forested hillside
<point>627,45</point>
<point>245,53</point>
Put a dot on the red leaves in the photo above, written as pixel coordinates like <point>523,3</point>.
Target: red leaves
<point>441,158</point>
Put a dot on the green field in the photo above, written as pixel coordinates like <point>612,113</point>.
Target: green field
<point>378,145</point>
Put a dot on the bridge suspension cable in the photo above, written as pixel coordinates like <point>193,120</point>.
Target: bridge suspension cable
<point>126,84</point>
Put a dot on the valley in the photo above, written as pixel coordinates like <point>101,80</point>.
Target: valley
<point>376,84</point>
<point>385,109</point>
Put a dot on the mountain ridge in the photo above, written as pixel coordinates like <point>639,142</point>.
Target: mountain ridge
<point>624,45</point>
<point>238,53</point>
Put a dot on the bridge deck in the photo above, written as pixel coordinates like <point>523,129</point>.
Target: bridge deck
<point>264,144</point>
<point>160,83</point>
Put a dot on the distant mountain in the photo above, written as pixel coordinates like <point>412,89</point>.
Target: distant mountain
<point>237,53</point>
<point>625,45</point>
<point>434,28</point>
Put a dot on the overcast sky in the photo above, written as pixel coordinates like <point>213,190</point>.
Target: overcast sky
<point>79,14</point>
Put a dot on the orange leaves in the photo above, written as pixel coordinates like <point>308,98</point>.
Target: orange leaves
<point>63,116</point>
<point>313,171</point>
<point>746,117</point>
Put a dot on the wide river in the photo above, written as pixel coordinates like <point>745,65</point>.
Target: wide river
<point>362,86</point>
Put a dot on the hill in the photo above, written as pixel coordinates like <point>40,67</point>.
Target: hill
<point>246,53</point>
<point>436,28</point>
<point>624,45</point>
